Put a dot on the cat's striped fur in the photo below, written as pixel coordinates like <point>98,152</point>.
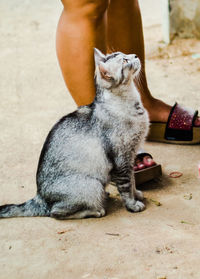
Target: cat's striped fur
<point>90,147</point>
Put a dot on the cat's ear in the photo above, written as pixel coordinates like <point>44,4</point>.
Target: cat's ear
<point>104,72</point>
<point>98,56</point>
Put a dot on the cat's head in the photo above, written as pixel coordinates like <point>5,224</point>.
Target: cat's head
<point>116,69</point>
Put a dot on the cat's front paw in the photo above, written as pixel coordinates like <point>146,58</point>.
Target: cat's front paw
<point>134,206</point>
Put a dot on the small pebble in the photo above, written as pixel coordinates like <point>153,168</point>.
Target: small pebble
<point>188,196</point>
<point>157,203</point>
<point>195,55</point>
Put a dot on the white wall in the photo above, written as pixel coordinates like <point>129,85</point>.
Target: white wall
<point>184,18</point>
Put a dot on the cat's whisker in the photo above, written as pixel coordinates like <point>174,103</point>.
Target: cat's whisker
<point>138,78</point>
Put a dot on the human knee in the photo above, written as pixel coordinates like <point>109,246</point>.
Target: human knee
<point>90,9</point>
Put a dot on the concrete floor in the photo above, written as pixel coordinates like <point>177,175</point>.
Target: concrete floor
<point>161,242</point>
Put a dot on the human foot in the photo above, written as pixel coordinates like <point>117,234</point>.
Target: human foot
<point>142,162</point>
<point>159,111</point>
<point>181,127</point>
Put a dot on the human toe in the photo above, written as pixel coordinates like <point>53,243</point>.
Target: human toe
<point>139,165</point>
<point>197,122</point>
<point>148,161</point>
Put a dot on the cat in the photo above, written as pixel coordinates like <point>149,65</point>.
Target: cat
<point>92,146</point>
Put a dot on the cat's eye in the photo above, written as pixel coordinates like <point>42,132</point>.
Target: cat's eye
<point>125,60</point>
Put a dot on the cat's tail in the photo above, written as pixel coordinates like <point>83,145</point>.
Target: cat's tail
<point>34,207</point>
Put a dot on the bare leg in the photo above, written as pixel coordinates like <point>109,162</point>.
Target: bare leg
<point>125,34</point>
<point>81,28</point>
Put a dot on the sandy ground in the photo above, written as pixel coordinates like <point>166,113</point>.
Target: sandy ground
<point>161,242</point>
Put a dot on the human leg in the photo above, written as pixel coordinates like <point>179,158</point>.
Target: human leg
<point>81,28</point>
<point>124,33</point>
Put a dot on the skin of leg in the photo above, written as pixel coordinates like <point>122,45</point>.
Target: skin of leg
<point>81,28</point>
<point>146,162</point>
<point>125,34</point>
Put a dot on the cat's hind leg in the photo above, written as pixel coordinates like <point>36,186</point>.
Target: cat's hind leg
<point>88,213</point>
<point>62,211</point>
<point>86,198</point>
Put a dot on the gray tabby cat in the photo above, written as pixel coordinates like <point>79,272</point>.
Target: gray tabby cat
<point>92,146</point>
